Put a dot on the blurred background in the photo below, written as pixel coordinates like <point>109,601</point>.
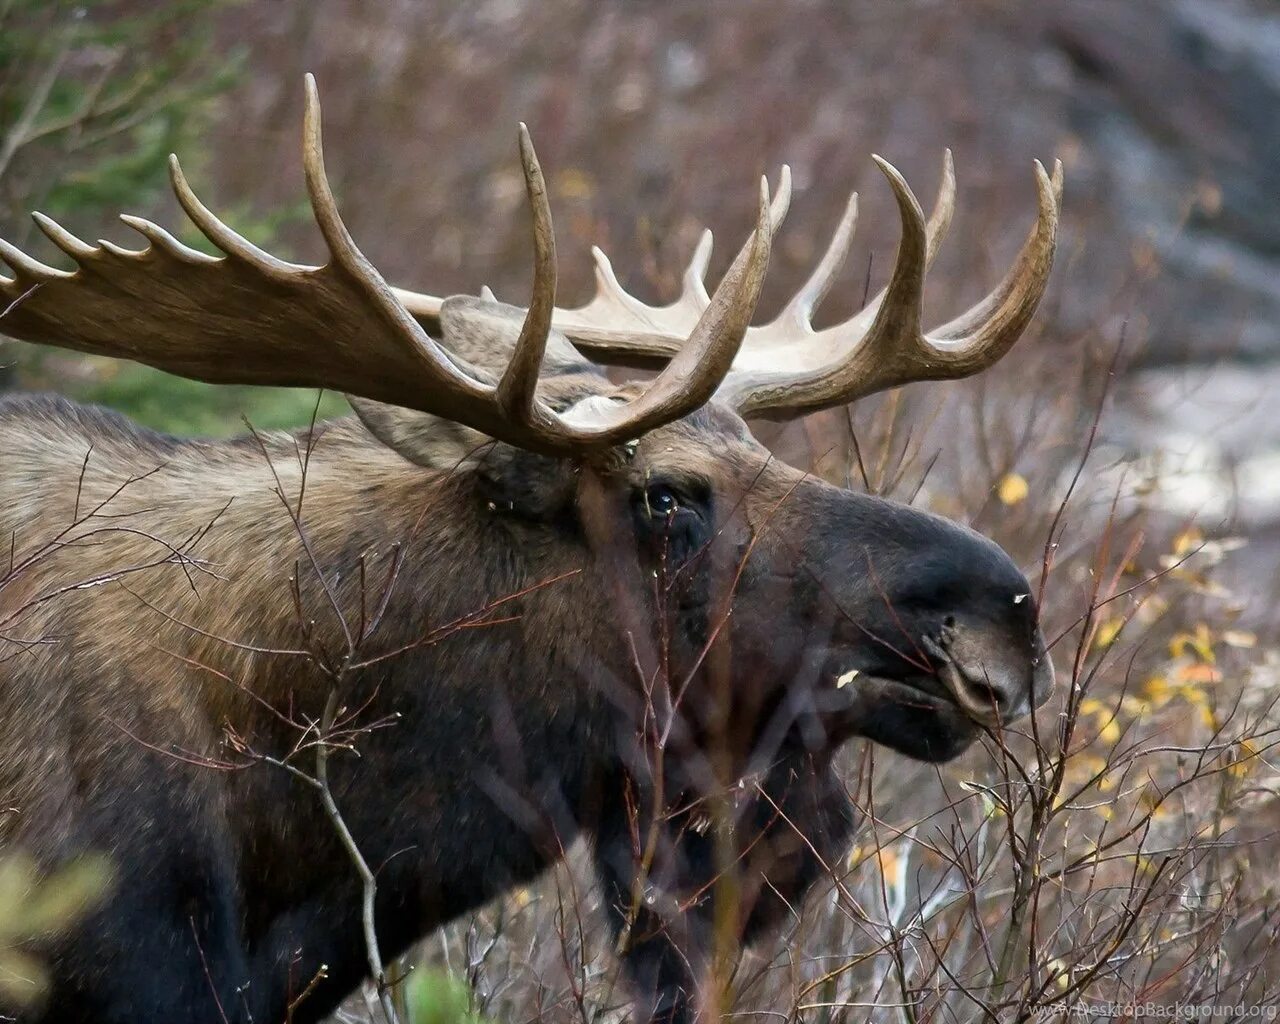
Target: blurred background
<point>1143,391</point>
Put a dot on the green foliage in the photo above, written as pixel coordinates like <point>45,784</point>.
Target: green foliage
<point>94,95</point>
<point>34,908</point>
<point>163,402</point>
<point>186,407</point>
<point>437,997</point>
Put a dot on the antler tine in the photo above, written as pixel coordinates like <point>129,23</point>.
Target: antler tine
<point>775,211</point>
<point>347,255</point>
<point>163,242</point>
<point>516,389</point>
<point>943,206</point>
<point>904,295</point>
<point>844,363</point>
<point>698,369</point>
<point>28,269</point>
<point>234,244</point>
<point>77,248</point>
<point>936,228</point>
<point>694,290</point>
<point>799,311</point>
<point>982,334</point>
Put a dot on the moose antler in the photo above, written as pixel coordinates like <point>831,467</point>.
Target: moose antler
<point>250,318</point>
<point>786,368</point>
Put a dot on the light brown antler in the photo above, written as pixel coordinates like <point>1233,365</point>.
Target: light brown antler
<point>786,368</point>
<point>250,318</point>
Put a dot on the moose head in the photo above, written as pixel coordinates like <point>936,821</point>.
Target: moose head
<point>781,612</point>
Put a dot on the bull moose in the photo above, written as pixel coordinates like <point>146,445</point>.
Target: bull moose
<point>507,604</point>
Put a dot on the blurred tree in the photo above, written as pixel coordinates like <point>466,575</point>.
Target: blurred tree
<point>94,95</point>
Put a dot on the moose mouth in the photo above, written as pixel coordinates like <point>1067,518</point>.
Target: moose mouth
<point>923,714</point>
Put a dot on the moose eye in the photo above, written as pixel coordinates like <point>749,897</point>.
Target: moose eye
<point>662,501</point>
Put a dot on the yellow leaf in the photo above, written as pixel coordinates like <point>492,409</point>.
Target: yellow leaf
<point>1156,689</point>
<point>1110,732</point>
<point>1200,640</point>
<point>1187,541</point>
<point>1134,706</point>
<point>575,184</point>
<point>1198,675</point>
<point>1244,759</point>
<point>1107,633</point>
<point>1093,706</point>
<point>1012,488</point>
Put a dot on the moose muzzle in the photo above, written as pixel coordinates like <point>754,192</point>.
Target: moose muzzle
<point>990,683</point>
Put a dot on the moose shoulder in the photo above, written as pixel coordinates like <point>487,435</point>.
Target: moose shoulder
<point>539,605</point>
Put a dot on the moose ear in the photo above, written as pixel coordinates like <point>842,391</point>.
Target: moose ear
<point>483,332</point>
<point>423,439</point>
<point>519,483</point>
<point>479,334</point>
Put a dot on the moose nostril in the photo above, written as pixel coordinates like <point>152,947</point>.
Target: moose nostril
<point>987,695</point>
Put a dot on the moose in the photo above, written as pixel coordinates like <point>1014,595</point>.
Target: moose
<point>318,691</point>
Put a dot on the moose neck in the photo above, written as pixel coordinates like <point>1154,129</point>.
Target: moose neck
<point>485,743</point>
<point>467,661</point>
<point>463,655</point>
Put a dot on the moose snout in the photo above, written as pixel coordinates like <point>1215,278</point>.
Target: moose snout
<point>993,683</point>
